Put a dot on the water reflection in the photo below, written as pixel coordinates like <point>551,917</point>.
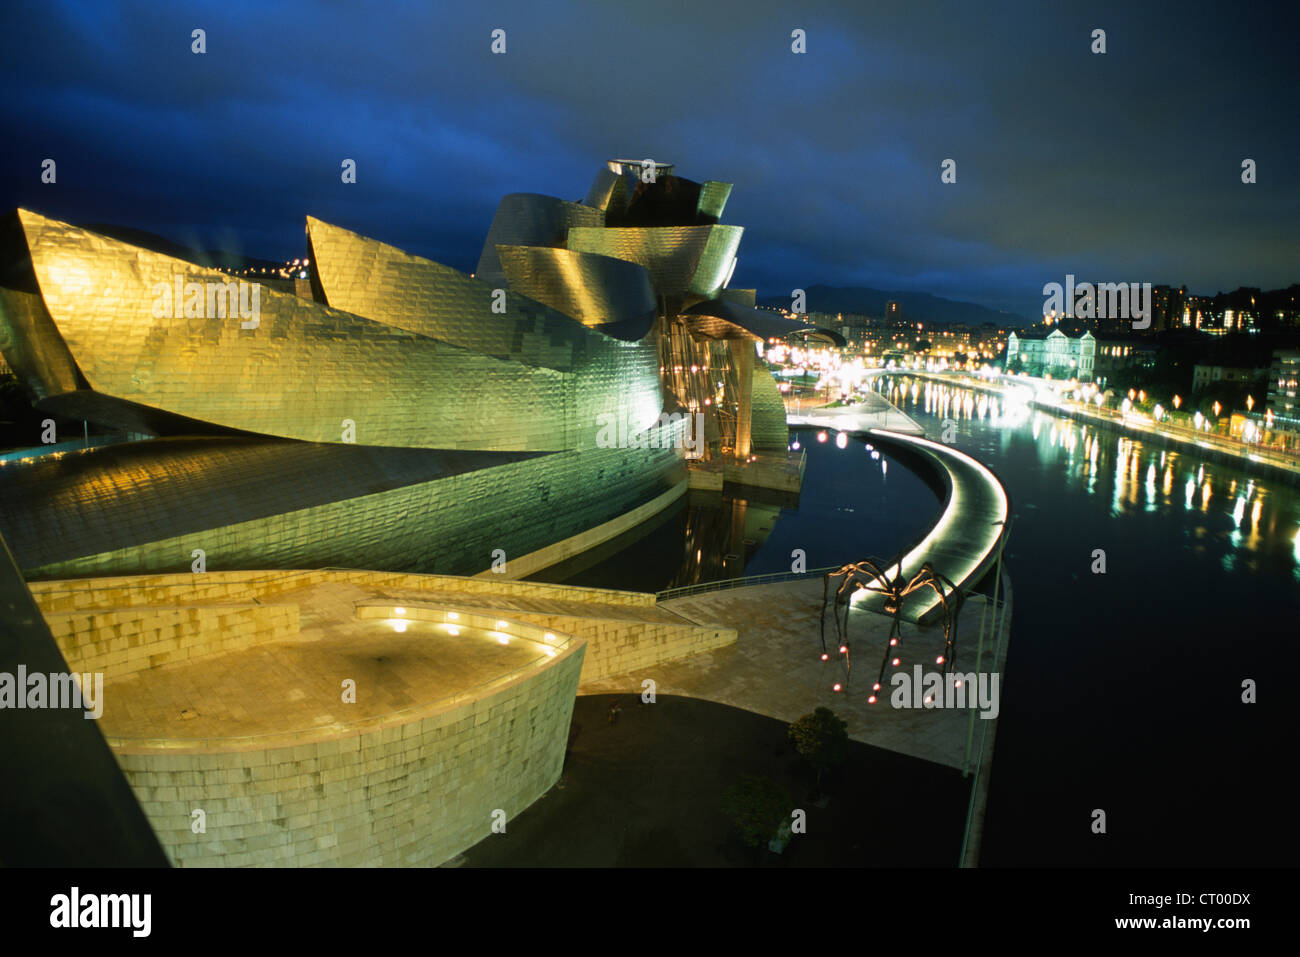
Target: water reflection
<point>851,507</point>
<point>1250,515</point>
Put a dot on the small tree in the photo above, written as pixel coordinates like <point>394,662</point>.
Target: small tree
<point>822,740</point>
<point>756,806</point>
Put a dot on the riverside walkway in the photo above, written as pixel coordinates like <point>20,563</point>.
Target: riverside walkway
<point>775,666</point>
<point>872,412</point>
<point>962,546</point>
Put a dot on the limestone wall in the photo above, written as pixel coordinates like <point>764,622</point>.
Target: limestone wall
<point>416,791</point>
<point>137,590</point>
<point>121,641</point>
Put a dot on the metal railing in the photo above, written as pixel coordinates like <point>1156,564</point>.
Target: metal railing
<point>772,577</point>
<point>992,643</point>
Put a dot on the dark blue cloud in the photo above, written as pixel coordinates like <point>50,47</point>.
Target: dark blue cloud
<point>1120,167</point>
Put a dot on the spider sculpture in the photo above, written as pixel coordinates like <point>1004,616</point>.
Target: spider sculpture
<point>868,575</point>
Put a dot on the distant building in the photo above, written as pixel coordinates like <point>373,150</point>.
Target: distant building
<point>1116,352</point>
<point>1283,402</point>
<point>1198,313</point>
<point>893,310</point>
<point>1043,353</point>
<point>1167,305</point>
<point>1205,375</point>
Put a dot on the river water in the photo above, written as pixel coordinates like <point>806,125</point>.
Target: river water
<point>1123,691</point>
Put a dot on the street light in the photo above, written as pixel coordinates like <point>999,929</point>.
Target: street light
<point>1250,403</point>
<point>1177,401</point>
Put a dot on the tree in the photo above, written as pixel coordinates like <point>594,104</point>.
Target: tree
<point>756,806</point>
<point>822,739</point>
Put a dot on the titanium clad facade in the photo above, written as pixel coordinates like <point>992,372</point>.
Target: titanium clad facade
<point>405,416</point>
<point>530,219</point>
<point>684,262</point>
<point>380,282</point>
<point>769,432</point>
<point>745,297</point>
<point>713,200</point>
<point>306,370</point>
<point>608,193</point>
<point>595,290</point>
<point>32,346</point>
<point>446,524</point>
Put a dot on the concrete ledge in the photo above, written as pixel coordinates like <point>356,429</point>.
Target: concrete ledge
<point>534,562</point>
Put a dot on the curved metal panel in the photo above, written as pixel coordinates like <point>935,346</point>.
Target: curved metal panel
<point>769,432</point>
<point>713,200</point>
<point>268,504</point>
<point>683,261</point>
<point>592,289</point>
<point>381,282</point>
<point>608,192</point>
<point>530,219</point>
<point>305,371</point>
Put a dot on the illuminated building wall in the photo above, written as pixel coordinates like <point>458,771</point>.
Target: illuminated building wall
<point>406,415</point>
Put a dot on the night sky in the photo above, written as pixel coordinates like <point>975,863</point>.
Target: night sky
<point>1117,167</point>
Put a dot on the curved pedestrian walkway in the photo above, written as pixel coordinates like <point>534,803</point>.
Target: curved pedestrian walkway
<point>963,545</point>
<point>872,412</point>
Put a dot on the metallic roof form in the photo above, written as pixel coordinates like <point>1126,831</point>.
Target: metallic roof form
<point>713,200</point>
<point>592,289</point>
<point>120,496</point>
<point>530,219</point>
<point>691,262</point>
<point>381,282</point>
<point>305,370</point>
<point>608,192</point>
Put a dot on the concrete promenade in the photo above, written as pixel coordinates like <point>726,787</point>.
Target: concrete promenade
<point>963,544</point>
<point>872,412</point>
<point>775,669</point>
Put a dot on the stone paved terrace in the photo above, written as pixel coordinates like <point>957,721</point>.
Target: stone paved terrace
<point>775,667</point>
<point>871,412</point>
<point>291,685</point>
<point>227,655</point>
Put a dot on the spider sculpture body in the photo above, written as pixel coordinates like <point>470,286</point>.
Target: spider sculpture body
<point>868,575</point>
